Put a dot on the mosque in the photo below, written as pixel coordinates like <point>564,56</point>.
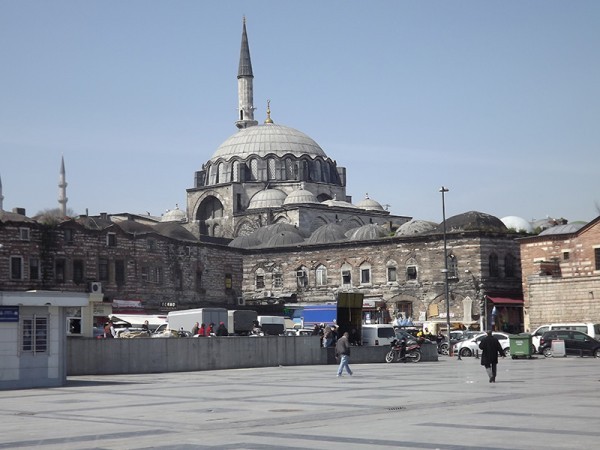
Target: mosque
<point>268,221</point>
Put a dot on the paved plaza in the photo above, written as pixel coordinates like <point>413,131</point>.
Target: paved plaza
<point>535,404</point>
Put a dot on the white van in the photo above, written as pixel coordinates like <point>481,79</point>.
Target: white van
<point>378,334</point>
<point>591,329</point>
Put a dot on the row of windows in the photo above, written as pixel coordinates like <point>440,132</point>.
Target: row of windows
<point>276,169</point>
<point>76,271</point>
<point>410,273</point>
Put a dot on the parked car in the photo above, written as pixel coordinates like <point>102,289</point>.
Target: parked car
<point>468,347</point>
<point>576,343</point>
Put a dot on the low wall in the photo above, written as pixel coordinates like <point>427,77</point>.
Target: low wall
<point>146,355</point>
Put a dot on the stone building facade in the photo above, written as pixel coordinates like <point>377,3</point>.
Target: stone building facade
<point>397,275</point>
<point>561,275</point>
<point>163,265</point>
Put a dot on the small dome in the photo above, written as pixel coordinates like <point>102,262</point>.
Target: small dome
<point>415,227</point>
<point>245,241</point>
<point>174,215</point>
<point>263,234</point>
<point>269,138</point>
<point>330,232</point>
<point>562,229</point>
<point>473,221</point>
<point>268,198</point>
<point>368,232</point>
<point>369,204</point>
<point>284,238</point>
<point>300,196</point>
<point>174,231</point>
<point>517,223</point>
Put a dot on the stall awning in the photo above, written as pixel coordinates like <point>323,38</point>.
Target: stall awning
<point>505,301</point>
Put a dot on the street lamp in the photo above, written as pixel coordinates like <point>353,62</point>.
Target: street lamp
<point>443,190</point>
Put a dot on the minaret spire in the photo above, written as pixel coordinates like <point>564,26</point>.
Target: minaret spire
<point>245,88</point>
<point>62,188</point>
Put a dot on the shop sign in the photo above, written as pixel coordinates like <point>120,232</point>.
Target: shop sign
<point>9,313</point>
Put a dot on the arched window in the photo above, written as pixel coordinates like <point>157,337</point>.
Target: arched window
<point>277,278</point>
<point>452,267</point>
<point>302,277</point>
<point>392,271</point>
<point>317,176</point>
<point>235,171</point>
<point>493,265</point>
<point>509,266</point>
<point>291,169</point>
<point>365,273</point>
<point>222,178</point>
<point>259,279</point>
<point>253,169</point>
<point>213,175</point>
<point>411,270</point>
<point>271,169</point>
<point>346,275</point>
<point>321,275</point>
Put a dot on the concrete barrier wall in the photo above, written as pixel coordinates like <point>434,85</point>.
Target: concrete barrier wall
<point>146,355</point>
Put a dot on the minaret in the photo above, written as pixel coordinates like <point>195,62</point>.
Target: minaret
<point>1,196</point>
<point>245,89</point>
<point>62,189</point>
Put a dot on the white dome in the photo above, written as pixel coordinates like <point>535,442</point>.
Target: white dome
<point>517,224</point>
<point>300,196</point>
<point>415,227</point>
<point>174,215</point>
<point>369,204</point>
<point>268,198</point>
<point>268,138</point>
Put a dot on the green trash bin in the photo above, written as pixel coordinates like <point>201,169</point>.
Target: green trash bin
<point>520,346</point>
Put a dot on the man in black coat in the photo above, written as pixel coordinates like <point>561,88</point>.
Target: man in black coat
<point>491,348</point>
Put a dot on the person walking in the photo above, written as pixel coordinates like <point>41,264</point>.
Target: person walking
<point>342,351</point>
<point>490,349</point>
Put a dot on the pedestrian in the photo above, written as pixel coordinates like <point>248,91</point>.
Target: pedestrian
<point>327,337</point>
<point>195,329</point>
<point>211,329</point>
<point>146,327</point>
<point>490,349</point>
<point>222,330</point>
<point>202,330</point>
<point>108,330</point>
<point>342,351</point>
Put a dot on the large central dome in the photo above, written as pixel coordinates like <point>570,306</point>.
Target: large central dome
<point>268,138</point>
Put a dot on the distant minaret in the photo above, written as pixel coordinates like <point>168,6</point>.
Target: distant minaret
<point>62,188</point>
<point>245,89</point>
<point>1,196</point>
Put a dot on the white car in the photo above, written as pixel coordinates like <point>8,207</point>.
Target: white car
<point>468,347</point>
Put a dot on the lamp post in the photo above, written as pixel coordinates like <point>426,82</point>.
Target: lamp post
<point>443,190</point>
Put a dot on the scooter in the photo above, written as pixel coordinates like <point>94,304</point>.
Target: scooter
<point>402,351</point>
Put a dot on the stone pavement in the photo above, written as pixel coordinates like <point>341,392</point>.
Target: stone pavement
<point>535,404</point>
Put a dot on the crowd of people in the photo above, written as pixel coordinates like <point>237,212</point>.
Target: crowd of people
<point>330,334</point>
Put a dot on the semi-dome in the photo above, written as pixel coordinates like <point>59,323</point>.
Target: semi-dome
<point>174,215</point>
<point>330,232</point>
<point>268,198</point>
<point>415,227</point>
<point>369,204</point>
<point>517,223</point>
<point>367,232</point>
<point>300,196</point>
<point>473,221</point>
<point>268,138</point>
<point>334,202</point>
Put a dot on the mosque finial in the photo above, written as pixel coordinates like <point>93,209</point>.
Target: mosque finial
<point>268,119</point>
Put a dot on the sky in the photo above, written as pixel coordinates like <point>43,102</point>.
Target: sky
<point>498,101</point>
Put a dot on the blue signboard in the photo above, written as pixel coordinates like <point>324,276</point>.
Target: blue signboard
<point>9,313</point>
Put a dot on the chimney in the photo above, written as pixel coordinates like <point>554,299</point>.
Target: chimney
<point>20,211</point>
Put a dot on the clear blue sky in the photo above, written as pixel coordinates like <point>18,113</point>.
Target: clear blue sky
<point>499,101</point>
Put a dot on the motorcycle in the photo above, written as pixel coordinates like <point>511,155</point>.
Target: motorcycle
<point>403,351</point>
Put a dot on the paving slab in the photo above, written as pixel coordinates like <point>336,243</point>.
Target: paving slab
<point>536,403</point>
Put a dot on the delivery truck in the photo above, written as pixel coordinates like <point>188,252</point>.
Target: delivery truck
<point>186,318</point>
<point>272,325</point>
<point>240,322</point>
